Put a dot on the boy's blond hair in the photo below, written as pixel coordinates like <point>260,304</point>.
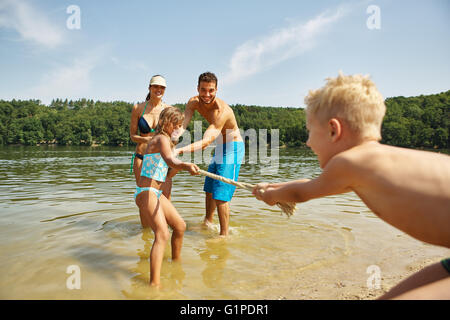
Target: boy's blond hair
<point>354,99</point>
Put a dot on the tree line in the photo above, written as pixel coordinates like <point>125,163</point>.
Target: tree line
<point>417,122</point>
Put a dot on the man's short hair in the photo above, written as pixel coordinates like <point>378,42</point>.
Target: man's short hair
<point>207,77</point>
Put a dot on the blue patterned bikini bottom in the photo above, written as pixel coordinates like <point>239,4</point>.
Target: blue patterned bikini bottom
<point>154,190</point>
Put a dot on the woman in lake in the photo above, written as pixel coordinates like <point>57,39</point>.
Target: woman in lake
<point>144,118</point>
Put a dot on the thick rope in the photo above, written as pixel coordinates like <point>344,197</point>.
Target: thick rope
<point>288,207</point>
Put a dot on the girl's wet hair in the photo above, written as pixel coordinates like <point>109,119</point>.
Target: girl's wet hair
<point>169,115</point>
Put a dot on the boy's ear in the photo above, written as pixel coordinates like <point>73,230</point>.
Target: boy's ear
<point>334,129</point>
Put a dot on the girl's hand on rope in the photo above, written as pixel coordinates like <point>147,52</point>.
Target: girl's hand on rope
<point>192,168</point>
<point>262,192</point>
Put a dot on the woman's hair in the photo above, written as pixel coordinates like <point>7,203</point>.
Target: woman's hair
<point>168,115</point>
<point>148,95</point>
<point>354,99</point>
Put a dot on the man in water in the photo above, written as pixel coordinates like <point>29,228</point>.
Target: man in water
<point>229,151</point>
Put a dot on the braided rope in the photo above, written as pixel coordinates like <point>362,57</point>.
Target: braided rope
<point>288,207</point>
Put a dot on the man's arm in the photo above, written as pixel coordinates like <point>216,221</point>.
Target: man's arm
<point>210,135</point>
<point>188,113</point>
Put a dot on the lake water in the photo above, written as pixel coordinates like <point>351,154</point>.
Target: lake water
<point>73,206</point>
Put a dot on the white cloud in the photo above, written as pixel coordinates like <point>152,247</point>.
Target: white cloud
<point>257,55</point>
<point>132,65</point>
<point>70,81</point>
<point>64,82</point>
<point>30,23</point>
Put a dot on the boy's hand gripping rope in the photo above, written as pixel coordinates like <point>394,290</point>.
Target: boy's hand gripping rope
<point>288,207</point>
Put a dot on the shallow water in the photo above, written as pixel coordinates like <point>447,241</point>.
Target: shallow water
<point>65,206</point>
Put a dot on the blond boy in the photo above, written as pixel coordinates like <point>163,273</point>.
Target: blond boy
<point>408,189</point>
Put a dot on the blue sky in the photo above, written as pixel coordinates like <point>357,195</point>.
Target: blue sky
<point>267,53</point>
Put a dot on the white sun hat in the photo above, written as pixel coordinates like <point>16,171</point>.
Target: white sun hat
<point>158,80</point>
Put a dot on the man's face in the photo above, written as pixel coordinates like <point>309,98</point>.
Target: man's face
<point>207,91</point>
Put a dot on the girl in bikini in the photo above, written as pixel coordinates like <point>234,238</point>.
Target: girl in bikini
<point>156,211</point>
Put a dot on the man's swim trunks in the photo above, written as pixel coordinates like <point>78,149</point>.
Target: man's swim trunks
<point>446,264</point>
<point>226,162</point>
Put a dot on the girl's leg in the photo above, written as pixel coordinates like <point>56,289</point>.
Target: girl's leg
<point>153,215</point>
<point>176,222</point>
<point>159,245</point>
<point>167,185</point>
<point>148,205</point>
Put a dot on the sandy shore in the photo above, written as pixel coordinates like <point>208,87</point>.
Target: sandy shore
<point>341,283</point>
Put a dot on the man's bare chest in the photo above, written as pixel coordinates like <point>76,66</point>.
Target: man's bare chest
<point>212,116</point>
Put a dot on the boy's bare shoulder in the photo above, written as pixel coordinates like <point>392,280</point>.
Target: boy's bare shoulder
<point>373,156</point>
<point>364,156</point>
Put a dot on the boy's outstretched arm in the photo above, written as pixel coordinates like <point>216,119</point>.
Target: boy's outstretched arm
<point>336,178</point>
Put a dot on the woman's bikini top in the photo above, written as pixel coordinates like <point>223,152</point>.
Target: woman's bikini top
<point>154,167</point>
<point>143,124</point>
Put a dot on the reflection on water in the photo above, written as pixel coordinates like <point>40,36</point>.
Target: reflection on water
<point>62,206</point>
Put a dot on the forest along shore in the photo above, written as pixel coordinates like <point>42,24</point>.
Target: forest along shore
<point>413,122</point>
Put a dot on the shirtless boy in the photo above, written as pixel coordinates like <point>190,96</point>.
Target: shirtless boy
<point>408,189</point>
<point>229,151</point>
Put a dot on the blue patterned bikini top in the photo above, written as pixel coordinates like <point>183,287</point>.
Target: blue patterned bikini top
<point>154,167</point>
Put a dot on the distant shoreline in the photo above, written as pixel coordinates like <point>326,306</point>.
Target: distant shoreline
<point>93,146</point>
<point>420,122</point>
